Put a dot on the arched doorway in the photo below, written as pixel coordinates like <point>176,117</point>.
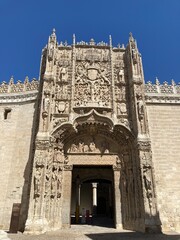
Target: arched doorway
<point>92,196</point>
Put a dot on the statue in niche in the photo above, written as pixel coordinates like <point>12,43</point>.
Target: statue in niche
<point>54,182</point>
<point>59,184</point>
<point>58,155</point>
<point>46,103</point>
<point>63,75</point>
<point>37,180</point>
<point>121,75</point>
<point>148,183</point>
<point>47,180</point>
<point>121,109</point>
<point>50,51</point>
<point>140,107</point>
<point>39,158</point>
<point>56,107</point>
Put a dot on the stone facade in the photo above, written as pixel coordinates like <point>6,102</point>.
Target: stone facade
<point>92,123</point>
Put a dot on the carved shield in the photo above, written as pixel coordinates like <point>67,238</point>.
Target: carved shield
<point>92,73</point>
<point>62,106</point>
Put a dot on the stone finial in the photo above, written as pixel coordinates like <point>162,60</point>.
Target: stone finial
<point>54,32</point>
<point>110,40</point>
<point>74,39</point>
<point>173,82</point>
<point>131,36</point>
<point>11,81</point>
<point>26,80</point>
<point>92,42</point>
<point>157,81</point>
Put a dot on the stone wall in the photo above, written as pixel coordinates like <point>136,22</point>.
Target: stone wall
<point>164,124</point>
<point>15,141</point>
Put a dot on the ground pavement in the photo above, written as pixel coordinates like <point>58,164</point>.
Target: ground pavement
<point>89,232</point>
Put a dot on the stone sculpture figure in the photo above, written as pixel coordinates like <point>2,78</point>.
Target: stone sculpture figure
<point>37,180</point>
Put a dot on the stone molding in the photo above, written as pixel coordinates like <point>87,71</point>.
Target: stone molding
<point>18,97</point>
<point>162,93</point>
<point>19,92</point>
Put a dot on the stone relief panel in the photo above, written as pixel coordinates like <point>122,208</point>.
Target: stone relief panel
<point>92,85</point>
<point>92,145</point>
<point>92,54</point>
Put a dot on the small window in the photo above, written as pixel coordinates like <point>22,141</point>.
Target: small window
<point>7,113</point>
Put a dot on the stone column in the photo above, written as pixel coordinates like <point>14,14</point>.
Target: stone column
<point>94,186</point>
<point>78,198</point>
<point>117,198</point>
<point>66,194</point>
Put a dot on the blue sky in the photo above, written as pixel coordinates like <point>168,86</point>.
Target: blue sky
<point>26,24</point>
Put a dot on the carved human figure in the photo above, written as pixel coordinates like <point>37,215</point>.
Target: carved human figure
<point>73,148</point>
<point>140,106</point>
<point>60,156</point>
<point>46,103</point>
<point>121,75</point>
<point>59,184</point>
<point>81,146</point>
<point>47,180</point>
<point>148,183</point>
<point>63,76</point>
<point>86,148</point>
<point>56,106</point>
<point>122,94</point>
<point>54,182</point>
<point>92,147</point>
<point>37,180</point>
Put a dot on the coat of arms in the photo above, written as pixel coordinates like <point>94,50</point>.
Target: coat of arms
<point>92,73</point>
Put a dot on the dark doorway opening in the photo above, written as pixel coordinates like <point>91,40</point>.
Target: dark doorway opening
<point>92,196</point>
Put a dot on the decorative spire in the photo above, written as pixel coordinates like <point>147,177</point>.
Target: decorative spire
<point>110,40</point>
<point>74,39</point>
<point>11,81</point>
<point>52,37</point>
<point>26,80</point>
<point>131,37</point>
<point>54,31</point>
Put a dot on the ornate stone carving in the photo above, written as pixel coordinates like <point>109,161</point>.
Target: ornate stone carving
<point>144,145</point>
<point>37,181</point>
<point>89,146</point>
<point>121,109</point>
<point>40,158</point>
<point>19,87</point>
<point>61,107</point>
<point>42,144</point>
<point>148,184</point>
<point>92,86</point>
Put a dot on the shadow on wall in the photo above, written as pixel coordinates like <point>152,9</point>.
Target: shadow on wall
<point>132,236</point>
<point>29,166</point>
